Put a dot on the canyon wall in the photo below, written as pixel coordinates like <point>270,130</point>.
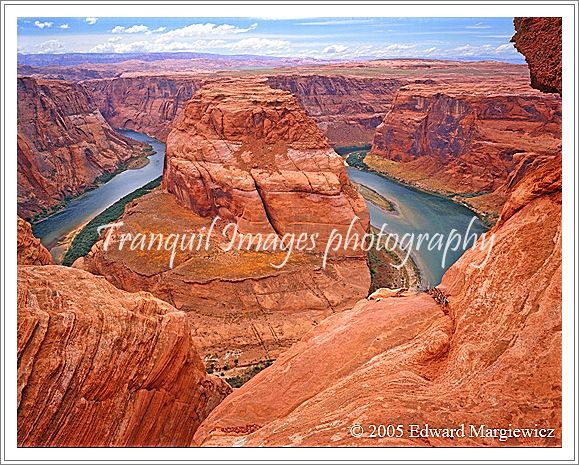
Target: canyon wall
<point>466,139</point>
<point>101,367</point>
<point>485,351</point>
<point>146,104</point>
<point>248,154</point>
<point>346,108</point>
<point>64,144</point>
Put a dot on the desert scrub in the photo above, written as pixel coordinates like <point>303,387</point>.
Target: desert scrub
<point>88,236</point>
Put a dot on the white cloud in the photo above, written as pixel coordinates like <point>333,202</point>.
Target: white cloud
<point>90,20</point>
<point>478,26</point>
<point>118,29</point>
<point>258,44</point>
<point>64,26</point>
<point>429,50</point>
<point>160,29</point>
<point>113,46</point>
<point>505,48</point>
<point>334,49</point>
<point>206,29</point>
<point>51,46</point>
<point>115,39</point>
<point>136,29</point>
<point>42,24</point>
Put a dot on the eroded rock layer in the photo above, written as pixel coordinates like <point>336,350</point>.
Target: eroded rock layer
<point>249,155</point>
<point>466,139</point>
<point>491,357</point>
<point>143,103</point>
<point>30,250</point>
<point>346,108</point>
<point>64,144</point>
<point>101,367</point>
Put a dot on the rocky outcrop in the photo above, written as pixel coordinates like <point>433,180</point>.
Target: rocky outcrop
<point>101,367</point>
<point>346,108</point>
<point>30,250</point>
<point>466,139</point>
<point>64,144</point>
<point>147,104</point>
<point>483,351</point>
<point>487,357</point>
<point>540,40</point>
<point>249,155</point>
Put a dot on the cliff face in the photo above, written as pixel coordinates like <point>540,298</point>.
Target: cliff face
<point>102,367</point>
<point>147,104</point>
<point>64,144</point>
<point>488,355</point>
<point>346,108</point>
<point>466,139</point>
<point>248,154</point>
<point>539,39</point>
<point>30,250</point>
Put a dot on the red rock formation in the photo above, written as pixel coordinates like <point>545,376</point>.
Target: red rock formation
<point>64,144</point>
<point>102,367</point>
<point>466,139</point>
<point>143,103</point>
<point>30,250</point>
<point>249,154</point>
<point>540,39</point>
<point>346,108</point>
<point>490,355</point>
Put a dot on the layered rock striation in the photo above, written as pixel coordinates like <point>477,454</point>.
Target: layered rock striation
<point>346,108</point>
<point>466,140</point>
<point>101,367</point>
<point>64,144</point>
<point>147,104</point>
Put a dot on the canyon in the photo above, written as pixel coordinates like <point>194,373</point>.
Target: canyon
<point>119,349</point>
<point>478,356</point>
<point>64,144</point>
<point>248,155</point>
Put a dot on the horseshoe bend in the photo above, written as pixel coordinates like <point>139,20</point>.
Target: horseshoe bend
<point>231,296</point>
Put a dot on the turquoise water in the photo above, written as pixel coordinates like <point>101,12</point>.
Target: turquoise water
<point>85,207</point>
<point>419,212</point>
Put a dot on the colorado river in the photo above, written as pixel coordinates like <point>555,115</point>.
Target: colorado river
<point>85,207</point>
<point>416,212</point>
<point>419,212</point>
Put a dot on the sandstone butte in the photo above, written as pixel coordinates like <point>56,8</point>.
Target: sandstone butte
<point>64,144</point>
<point>98,366</point>
<point>465,138</point>
<point>249,154</point>
<point>491,356</point>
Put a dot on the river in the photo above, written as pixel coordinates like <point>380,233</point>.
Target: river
<point>82,209</point>
<point>419,212</point>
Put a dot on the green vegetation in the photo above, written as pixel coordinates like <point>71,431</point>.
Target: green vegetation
<point>46,212</point>
<point>352,148</point>
<point>88,236</point>
<point>240,380</point>
<point>356,159</point>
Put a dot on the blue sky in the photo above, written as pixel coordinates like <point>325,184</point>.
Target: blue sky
<point>330,38</point>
